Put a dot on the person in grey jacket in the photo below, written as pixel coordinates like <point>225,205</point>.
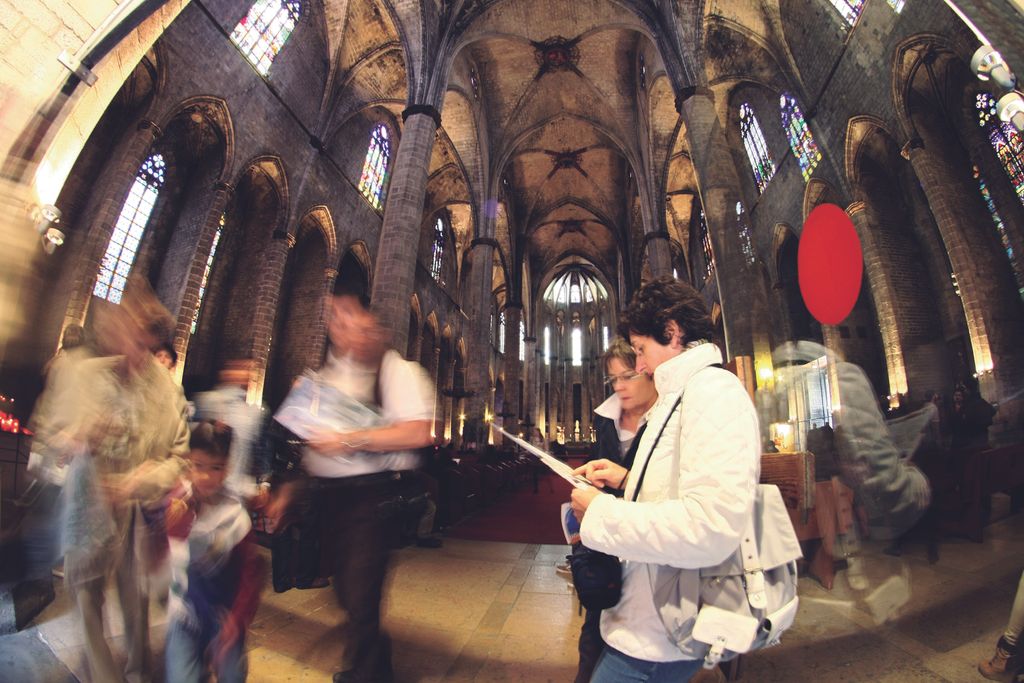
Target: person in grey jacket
<point>699,487</point>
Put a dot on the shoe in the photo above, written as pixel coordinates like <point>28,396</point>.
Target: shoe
<point>429,542</point>
<point>996,668</point>
<point>563,569</point>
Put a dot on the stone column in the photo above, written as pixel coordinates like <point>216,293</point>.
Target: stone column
<point>222,193</point>
<point>719,188</point>
<point>104,213</point>
<point>659,253</point>
<point>531,386</point>
<point>445,384</point>
<point>435,376</point>
<point>395,272</point>
<point>267,295</point>
<point>513,366</point>
<point>478,352</point>
<point>883,295</point>
<point>991,303</point>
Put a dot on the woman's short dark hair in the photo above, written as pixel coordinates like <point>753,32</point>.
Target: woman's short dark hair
<point>661,301</point>
<point>211,437</point>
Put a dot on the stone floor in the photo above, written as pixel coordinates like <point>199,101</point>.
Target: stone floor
<point>479,611</point>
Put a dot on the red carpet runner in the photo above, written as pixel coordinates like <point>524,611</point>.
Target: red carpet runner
<point>520,516</point>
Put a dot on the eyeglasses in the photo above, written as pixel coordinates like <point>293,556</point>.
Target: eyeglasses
<point>612,380</point>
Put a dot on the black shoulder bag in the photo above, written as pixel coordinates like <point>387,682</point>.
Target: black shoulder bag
<point>597,576</point>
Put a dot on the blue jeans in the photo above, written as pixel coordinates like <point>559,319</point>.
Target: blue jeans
<point>185,654</point>
<point>616,667</point>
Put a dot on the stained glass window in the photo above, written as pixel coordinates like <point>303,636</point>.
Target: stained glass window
<point>577,347</point>
<point>800,139</point>
<point>375,168</point>
<point>262,32</point>
<point>850,9</point>
<point>1018,271</point>
<point>522,340</point>
<point>757,150</point>
<point>501,332</point>
<point>705,242</point>
<point>437,254</point>
<point>1005,140</point>
<point>124,241</point>
<point>897,5</point>
<point>743,225</point>
<point>206,274</point>
<point>547,345</point>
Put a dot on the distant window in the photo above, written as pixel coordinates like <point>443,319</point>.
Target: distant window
<point>547,345</point>
<point>850,9</point>
<point>437,253</point>
<point>897,5</point>
<point>705,243</point>
<point>262,33</point>
<point>643,72</point>
<point>604,336</point>
<point>574,293</point>
<point>131,224</point>
<point>1005,140</point>
<point>206,275</point>
<point>522,340</point>
<point>375,167</point>
<point>743,226</point>
<point>501,332</point>
<point>1018,272</point>
<point>577,347</point>
<point>800,139</point>
<point>757,150</point>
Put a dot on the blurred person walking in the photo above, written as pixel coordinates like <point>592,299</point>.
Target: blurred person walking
<point>124,435</point>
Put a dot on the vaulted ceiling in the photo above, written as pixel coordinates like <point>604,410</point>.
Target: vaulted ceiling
<point>555,117</point>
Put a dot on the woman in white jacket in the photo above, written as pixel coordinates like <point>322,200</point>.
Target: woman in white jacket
<point>698,489</point>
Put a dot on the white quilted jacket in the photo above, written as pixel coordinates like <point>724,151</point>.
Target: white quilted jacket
<point>690,511</point>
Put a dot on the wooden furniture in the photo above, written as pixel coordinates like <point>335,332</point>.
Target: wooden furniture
<point>979,474</point>
<point>820,511</point>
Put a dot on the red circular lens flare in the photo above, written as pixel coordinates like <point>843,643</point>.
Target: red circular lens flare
<point>830,264</point>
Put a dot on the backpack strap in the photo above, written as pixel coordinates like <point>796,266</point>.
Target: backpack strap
<point>664,424</point>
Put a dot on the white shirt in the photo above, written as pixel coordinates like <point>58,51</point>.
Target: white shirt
<point>406,395</point>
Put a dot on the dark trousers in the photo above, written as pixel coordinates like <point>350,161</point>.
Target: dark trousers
<point>591,645</point>
<point>360,524</point>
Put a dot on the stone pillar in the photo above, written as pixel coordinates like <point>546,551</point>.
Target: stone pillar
<point>104,215</point>
<point>222,193</point>
<point>267,295</point>
<point>478,288</point>
<point>513,366</point>
<point>435,377</point>
<point>883,295</point>
<point>659,253</point>
<point>395,272</point>
<point>719,186</point>
<point>445,384</point>
<point>531,386</point>
<point>991,303</point>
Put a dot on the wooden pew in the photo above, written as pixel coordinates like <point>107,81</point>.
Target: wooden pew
<point>980,474</point>
<point>819,510</point>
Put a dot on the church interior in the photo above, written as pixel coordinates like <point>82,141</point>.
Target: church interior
<point>500,177</point>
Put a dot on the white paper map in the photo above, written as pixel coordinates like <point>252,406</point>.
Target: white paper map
<point>554,464</point>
